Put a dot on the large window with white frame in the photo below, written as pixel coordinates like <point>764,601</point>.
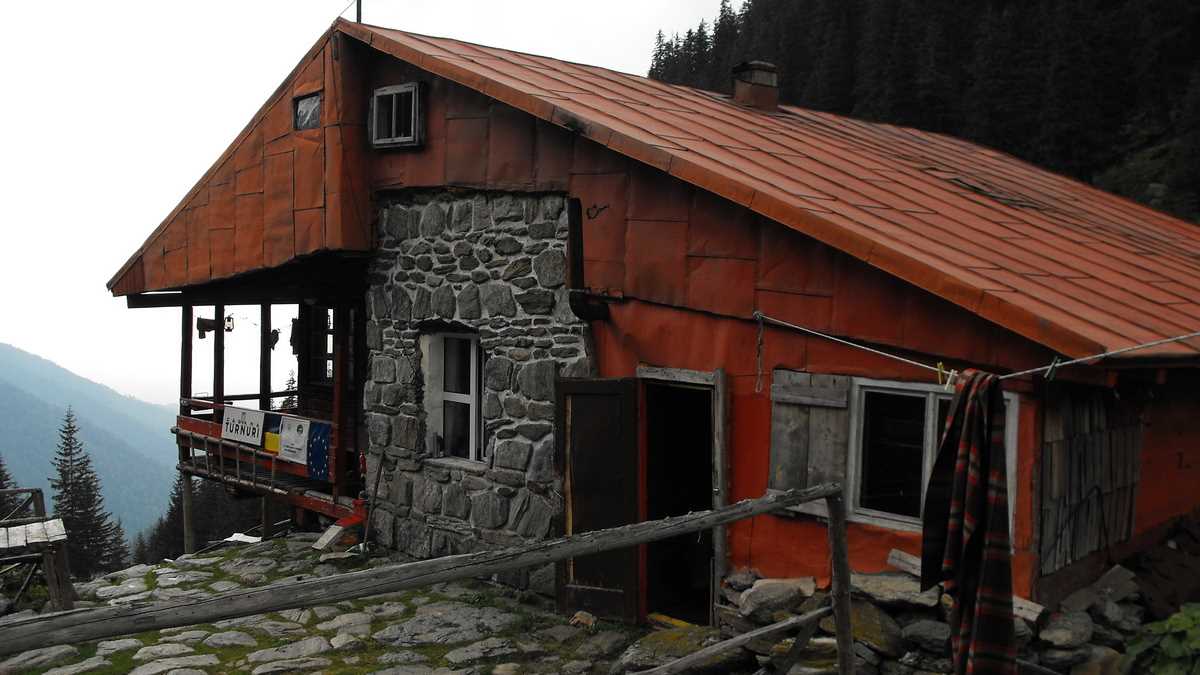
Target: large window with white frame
<point>452,393</point>
<point>895,428</point>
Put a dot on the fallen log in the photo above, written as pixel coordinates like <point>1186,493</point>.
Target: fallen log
<point>81,626</point>
<point>699,657</point>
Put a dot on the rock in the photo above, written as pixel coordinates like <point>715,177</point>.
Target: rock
<point>230,638</point>
<point>894,589</point>
<point>224,586</point>
<point>186,577</point>
<point>489,510</point>
<point>346,621</point>
<point>186,637</point>
<point>536,301</point>
<point>166,665</point>
<point>291,666</point>
<point>84,666</point>
<point>402,658</point>
<point>188,561</point>
<point>1108,637</point>
<point>1080,600</point>
<point>1101,661</point>
<point>927,663</point>
<point>1131,621</point>
<point>447,623</point>
<point>536,379</point>
<point>244,567</point>
<point>817,655</point>
<point>1022,633</point>
<point>113,646</point>
<point>345,642</point>
<point>506,669</point>
<point>296,650</point>
<point>484,649</point>
<point>300,615</point>
<point>39,658</point>
<point>137,571</point>
<point>601,644</point>
<point>664,646</point>
<point>1117,583</point>
<point>163,651</point>
<point>583,619</point>
<point>873,627</point>
<point>498,300</point>
<point>278,629</point>
<point>124,589</point>
<point>932,636</point>
<point>497,373</point>
<point>325,611</point>
<point>768,596</point>
<point>1061,659</point>
<point>559,634</point>
<point>1106,612</point>
<point>386,610</point>
<point>550,268</point>
<point>241,621</point>
<point>1067,630</point>
<point>742,579</point>
<point>442,302</point>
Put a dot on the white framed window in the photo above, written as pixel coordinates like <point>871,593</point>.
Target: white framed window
<point>451,363</point>
<point>895,428</point>
<point>396,116</point>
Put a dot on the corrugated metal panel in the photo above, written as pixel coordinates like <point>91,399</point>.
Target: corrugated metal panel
<point>1059,261</point>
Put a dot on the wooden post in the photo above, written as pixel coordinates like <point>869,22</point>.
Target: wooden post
<point>264,357</point>
<point>185,453</point>
<point>720,451</point>
<point>265,531</point>
<point>840,591</point>
<point>219,359</point>
<point>82,626</point>
<point>54,564</point>
<point>698,657</point>
<point>341,361</point>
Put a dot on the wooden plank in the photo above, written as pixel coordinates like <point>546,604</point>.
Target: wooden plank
<point>55,530</point>
<point>697,377</point>
<point>83,626</point>
<point>789,446</point>
<point>827,397</point>
<point>35,533</point>
<point>3,538</point>
<point>905,562</point>
<point>16,536</point>
<point>699,657</point>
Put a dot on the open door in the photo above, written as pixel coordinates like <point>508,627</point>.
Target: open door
<point>597,439</point>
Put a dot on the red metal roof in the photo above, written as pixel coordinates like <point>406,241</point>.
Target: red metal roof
<point>1060,262</point>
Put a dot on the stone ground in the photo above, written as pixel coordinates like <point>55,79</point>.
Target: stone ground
<point>459,627</point>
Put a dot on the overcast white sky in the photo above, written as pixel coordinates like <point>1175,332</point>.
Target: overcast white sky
<point>113,110</point>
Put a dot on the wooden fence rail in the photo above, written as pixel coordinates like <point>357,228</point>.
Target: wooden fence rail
<point>92,624</point>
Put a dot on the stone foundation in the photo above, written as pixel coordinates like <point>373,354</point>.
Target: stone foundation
<point>495,264</point>
<point>898,630</point>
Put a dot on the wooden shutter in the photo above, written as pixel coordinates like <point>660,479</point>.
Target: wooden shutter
<point>597,435</point>
<point>810,429</point>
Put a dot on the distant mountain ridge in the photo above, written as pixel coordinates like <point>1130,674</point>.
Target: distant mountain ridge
<point>128,439</point>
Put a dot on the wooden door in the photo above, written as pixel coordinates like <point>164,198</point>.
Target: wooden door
<point>597,435</point>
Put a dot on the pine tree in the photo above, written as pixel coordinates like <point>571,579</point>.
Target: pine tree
<point>7,503</point>
<point>289,402</point>
<point>116,555</point>
<point>141,552</point>
<point>78,501</point>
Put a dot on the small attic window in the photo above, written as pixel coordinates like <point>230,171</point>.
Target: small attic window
<point>396,116</point>
<point>307,112</point>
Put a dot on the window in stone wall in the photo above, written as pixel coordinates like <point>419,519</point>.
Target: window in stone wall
<point>452,394</point>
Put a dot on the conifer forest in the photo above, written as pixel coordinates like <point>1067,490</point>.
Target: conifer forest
<point>1106,91</point>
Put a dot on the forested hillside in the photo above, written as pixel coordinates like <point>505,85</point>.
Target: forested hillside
<point>1107,91</point>
<point>129,440</point>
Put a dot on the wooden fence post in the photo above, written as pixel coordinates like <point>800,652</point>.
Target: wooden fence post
<point>54,564</point>
<point>840,591</point>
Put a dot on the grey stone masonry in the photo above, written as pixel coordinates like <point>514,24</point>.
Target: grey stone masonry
<point>492,263</point>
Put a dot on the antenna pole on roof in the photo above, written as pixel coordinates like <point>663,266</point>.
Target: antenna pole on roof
<point>357,11</point>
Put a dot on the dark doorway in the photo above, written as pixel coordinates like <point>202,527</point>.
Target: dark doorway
<point>679,444</point>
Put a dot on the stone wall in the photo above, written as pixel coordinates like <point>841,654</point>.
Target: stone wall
<point>489,262</point>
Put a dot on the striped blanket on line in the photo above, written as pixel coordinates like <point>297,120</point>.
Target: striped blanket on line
<point>965,542</point>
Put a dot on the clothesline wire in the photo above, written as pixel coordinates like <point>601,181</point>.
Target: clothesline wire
<point>940,370</point>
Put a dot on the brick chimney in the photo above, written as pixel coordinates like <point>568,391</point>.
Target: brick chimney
<point>756,84</point>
